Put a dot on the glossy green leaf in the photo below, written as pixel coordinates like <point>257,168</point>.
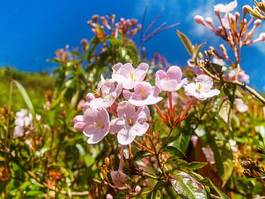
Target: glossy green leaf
<point>187,187</point>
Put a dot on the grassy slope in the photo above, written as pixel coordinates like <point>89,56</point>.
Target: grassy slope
<point>35,84</point>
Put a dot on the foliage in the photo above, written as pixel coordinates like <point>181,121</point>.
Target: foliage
<point>205,135</point>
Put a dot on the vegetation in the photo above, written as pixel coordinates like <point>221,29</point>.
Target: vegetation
<point>102,128</point>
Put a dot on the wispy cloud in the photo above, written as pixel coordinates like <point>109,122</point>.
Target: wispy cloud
<point>171,8</point>
<point>204,9</point>
<point>260,45</point>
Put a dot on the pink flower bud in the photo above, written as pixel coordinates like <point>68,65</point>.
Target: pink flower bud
<point>109,196</point>
<point>262,36</point>
<point>199,19</point>
<point>137,189</point>
<point>257,22</point>
<point>209,20</point>
<point>245,9</point>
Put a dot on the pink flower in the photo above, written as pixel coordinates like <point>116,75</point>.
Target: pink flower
<point>131,122</point>
<point>109,196</point>
<point>171,80</point>
<point>79,123</point>
<point>241,75</point>
<point>144,94</point>
<point>109,91</point>
<point>118,178</point>
<point>201,88</point>
<point>195,69</point>
<point>23,123</point>
<point>260,38</point>
<point>127,75</point>
<point>225,8</point>
<point>84,104</point>
<point>240,105</point>
<point>95,124</point>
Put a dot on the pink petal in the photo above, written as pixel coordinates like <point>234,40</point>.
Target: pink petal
<point>174,72</point>
<point>125,137</point>
<point>116,125</point>
<point>18,131</point>
<point>125,109</point>
<point>116,67</point>
<point>139,129</point>
<point>141,71</point>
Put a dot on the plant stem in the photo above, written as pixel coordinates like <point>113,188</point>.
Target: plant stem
<point>251,90</point>
<point>171,111</point>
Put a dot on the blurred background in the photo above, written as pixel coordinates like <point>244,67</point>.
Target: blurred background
<point>32,30</point>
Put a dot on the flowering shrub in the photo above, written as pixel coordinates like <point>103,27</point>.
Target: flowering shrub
<point>118,126</point>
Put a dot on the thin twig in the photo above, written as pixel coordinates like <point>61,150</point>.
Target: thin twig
<point>237,83</point>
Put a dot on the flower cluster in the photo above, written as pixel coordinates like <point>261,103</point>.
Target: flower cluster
<point>120,104</point>
<point>23,123</point>
<point>107,25</point>
<point>235,29</point>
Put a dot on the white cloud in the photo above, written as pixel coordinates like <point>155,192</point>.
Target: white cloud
<point>260,45</point>
<point>205,10</point>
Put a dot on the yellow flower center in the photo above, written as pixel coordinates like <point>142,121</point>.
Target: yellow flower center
<point>132,76</point>
<point>98,125</point>
<point>199,87</point>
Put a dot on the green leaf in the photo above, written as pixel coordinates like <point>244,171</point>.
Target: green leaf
<point>36,193</point>
<point>174,151</point>
<point>141,154</point>
<point>222,154</point>
<point>155,191</point>
<point>187,187</point>
<point>89,160</point>
<point>218,191</point>
<point>196,51</point>
<point>224,111</point>
<point>186,42</point>
<point>254,12</point>
<point>25,96</point>
<point>197,165</point>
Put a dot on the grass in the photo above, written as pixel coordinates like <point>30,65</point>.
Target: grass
<point>36,84</point>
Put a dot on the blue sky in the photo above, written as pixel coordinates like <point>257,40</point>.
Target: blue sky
<point>32,30</point>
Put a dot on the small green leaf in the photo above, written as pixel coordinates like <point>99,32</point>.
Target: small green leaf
<point>186,42</point>
<point>25,96</point>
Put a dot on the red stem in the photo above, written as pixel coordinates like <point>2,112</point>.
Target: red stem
<point>171,111</point>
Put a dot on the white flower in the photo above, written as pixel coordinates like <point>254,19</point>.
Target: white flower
<point>201,88</point>
<point>225,8</point>
<point>23,123</point>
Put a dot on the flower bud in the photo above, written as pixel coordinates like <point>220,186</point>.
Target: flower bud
<point>109,196</point>
<point>245,9</point>
<point>137,189</point>
<point>199,19</point>
<point>257,22</point>
<point>209,20</point>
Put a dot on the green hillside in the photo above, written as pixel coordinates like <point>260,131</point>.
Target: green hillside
<point>36,85</point>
